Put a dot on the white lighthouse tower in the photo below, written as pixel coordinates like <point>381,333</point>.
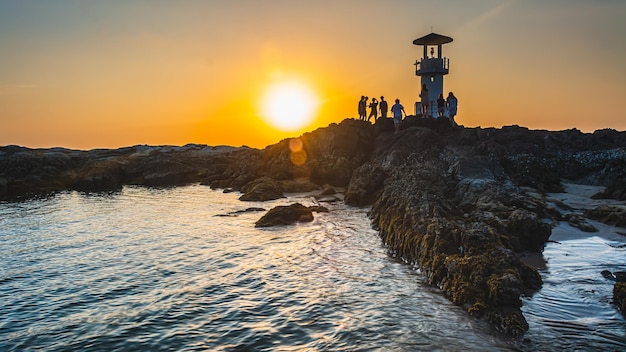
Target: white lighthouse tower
<point>431,68</point>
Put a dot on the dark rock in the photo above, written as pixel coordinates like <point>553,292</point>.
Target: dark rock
<point>527,170</point>
<point>613,175</point>
<point>620,276</point>
<point>619,296</point>
<point>530,230</point>
<point>298,185</point>
<point>610,215</point>
<point>327,155</point>
<point>3,188</point>
<point>237,212</point>
<point>607,275</point>
<point>261,190</point>
<point>285,215</point>
<point>248,210</point>
<point>328,191</point>
<point>327,199</point>
<point>365,185</point>
<point>580,223</point>
<point>319,209</point>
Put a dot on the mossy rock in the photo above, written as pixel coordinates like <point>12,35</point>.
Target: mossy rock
<point>619,296</point>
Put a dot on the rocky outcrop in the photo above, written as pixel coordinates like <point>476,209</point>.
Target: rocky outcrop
<point>26,171</point>
<point>461,204</point>
<point>464,204</point>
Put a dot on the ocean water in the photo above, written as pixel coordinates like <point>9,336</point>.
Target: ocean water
<point>181,269</point>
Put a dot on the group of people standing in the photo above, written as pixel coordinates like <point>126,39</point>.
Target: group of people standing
<point>443,104</point>
<point>397,110</point>
<point>374,106</point>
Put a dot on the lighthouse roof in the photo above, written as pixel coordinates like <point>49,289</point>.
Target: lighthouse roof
<point>432,39</point>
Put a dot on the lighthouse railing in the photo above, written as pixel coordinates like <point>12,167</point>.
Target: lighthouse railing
<point>432,109</point>
<point>432,65</point>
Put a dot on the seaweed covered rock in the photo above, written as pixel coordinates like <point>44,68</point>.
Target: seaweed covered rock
<point>619,296</point>
<point>467,255</point>
<point>464,204</point>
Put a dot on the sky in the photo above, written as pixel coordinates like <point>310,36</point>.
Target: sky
<point>87,74</point>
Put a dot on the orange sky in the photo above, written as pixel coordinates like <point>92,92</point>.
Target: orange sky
<point>107,74</point>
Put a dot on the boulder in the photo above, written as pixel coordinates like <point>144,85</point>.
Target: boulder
<point>529,229</point>
<point>261,190</point>
<point>365,185</point>
<point>285,215</point>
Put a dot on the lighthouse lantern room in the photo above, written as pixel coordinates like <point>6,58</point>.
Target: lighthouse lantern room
<point>431,68</point>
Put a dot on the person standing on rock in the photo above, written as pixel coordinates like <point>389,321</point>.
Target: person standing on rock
<point>451,105</point>
<point>397,110</point>
<point>441,105</point>
<point>374,109</point>
<point>362,104</point>
<point>383,107</point>
<point>425,100</point>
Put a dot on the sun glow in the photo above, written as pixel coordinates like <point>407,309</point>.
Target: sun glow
<point>289,105</point>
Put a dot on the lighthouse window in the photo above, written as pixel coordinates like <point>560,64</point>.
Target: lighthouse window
<point>432,78</point>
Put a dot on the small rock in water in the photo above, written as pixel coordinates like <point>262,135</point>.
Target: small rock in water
<point>319,209</point>
<point>285,215</point>
<point>607,274</point>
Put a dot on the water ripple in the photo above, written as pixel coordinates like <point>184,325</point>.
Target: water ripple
<point>155,269</point>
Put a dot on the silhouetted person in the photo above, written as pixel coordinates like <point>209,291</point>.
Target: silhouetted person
<point>383,107</point>
<point>425,100</point>
<point>451,104</point>
<point>374,109</point>
<point>441,105</point>
<point>362,104</point>
<point>397,110</point>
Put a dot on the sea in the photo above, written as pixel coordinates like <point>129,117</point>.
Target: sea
<point>184,269</point>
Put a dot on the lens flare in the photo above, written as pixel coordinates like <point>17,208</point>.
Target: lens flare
<point>298,155</point>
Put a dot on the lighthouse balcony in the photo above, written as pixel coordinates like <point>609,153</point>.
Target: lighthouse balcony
<point>432,66</point>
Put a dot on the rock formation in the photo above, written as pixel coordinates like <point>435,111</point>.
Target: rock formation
<point>288,214</point>
<point>461,204</point>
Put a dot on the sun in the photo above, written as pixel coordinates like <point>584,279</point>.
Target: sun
<point>289,105</point>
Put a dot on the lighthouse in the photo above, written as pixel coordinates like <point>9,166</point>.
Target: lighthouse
<point>431,68</point>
